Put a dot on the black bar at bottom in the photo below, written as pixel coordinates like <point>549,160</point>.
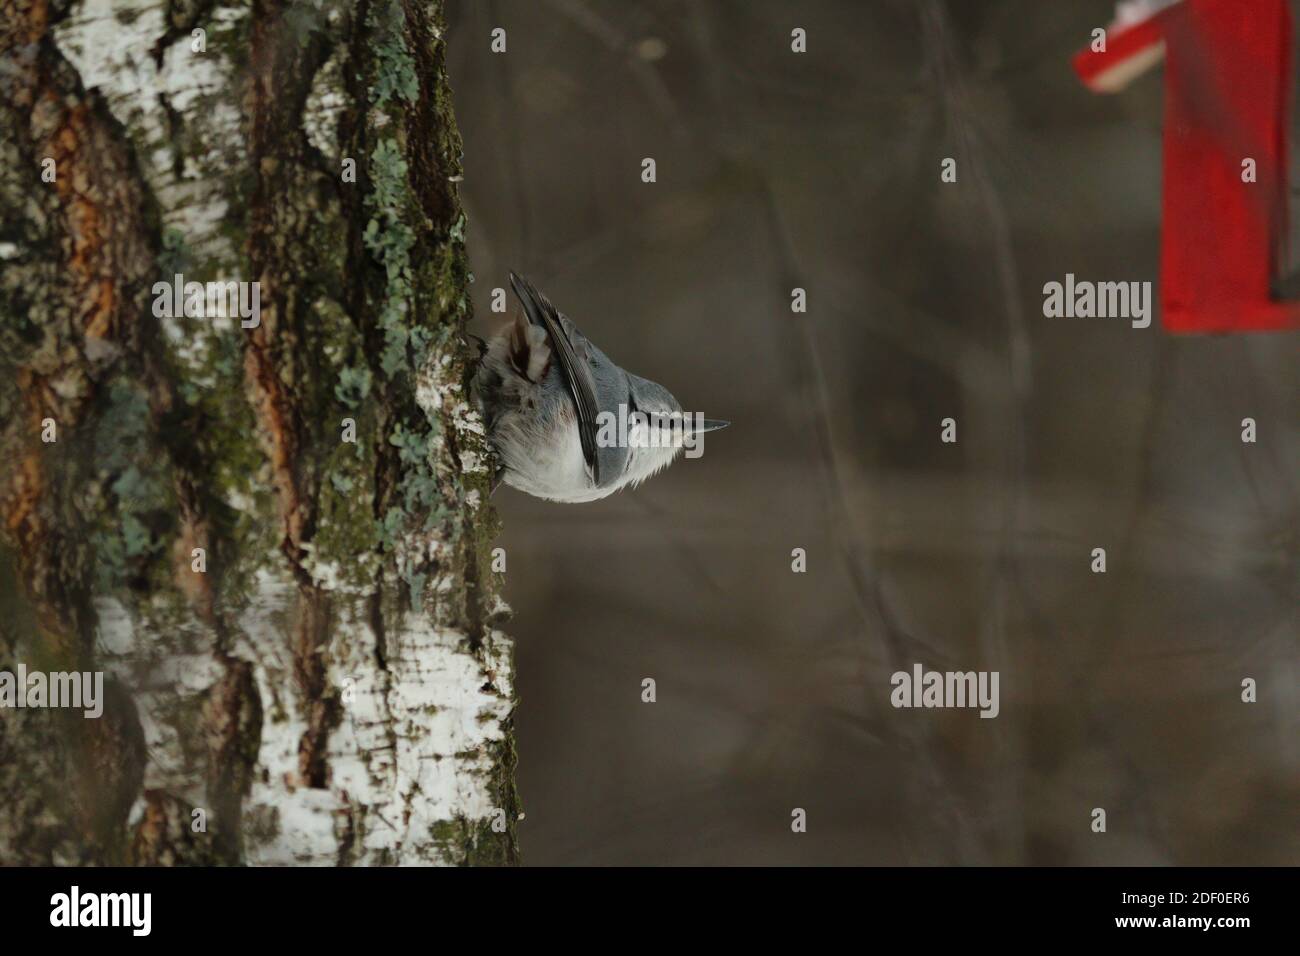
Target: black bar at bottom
<point>332,907</point>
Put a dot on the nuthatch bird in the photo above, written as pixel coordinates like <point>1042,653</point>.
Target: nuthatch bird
<point>565,422</point>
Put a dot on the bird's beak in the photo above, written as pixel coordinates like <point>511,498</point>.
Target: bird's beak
<point>711,425</point>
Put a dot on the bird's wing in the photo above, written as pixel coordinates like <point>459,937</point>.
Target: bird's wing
<point>576,373</point>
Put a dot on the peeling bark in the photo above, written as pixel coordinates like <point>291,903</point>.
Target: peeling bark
<point>331,687</point>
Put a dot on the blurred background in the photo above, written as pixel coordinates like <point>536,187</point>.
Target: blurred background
<point>821,171</point>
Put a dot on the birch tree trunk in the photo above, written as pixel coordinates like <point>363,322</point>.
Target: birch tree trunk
<point>298,632</point>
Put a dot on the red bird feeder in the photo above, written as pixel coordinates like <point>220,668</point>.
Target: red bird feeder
<point>1228,85</point>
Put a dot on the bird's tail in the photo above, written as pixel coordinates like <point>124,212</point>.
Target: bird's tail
<point>536,306</point>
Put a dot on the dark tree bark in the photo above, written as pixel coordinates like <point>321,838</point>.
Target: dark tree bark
<point>297,631</point>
